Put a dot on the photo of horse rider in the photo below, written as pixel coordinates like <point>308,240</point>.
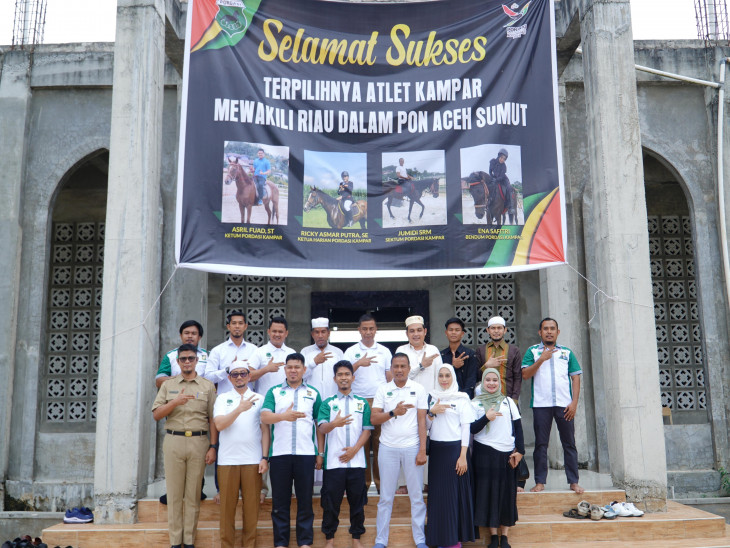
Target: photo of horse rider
<point>492,194</point>
<point>255,186</point>
<point>261,170</point>
<point>402,172</point>
<point>420,187</point>
<point>345,196</point>
<point>333,197</point>
<point>498,172</point>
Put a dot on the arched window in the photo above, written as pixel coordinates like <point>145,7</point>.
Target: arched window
<point>69,380</point>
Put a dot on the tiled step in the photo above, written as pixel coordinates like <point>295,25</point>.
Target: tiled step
<point>679,522</point>
<point>681,526</point>
<point>695,542</point>
<point>150,510</point>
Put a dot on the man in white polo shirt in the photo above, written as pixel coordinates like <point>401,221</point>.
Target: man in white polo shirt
<point>345,420</point>
<point>371,364</point>
<point>235,350</point>
<point>268,361</point>
<point>320,357</point>
<point>400,406</point>
<point>555,375</point>
<point>425,359</point>
<point>242,455</point>
<point>291,409</point>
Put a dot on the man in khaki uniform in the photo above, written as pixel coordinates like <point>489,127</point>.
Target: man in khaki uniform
<point>187,401</point>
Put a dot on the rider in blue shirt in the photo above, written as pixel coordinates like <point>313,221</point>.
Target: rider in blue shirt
<point>261,168</point>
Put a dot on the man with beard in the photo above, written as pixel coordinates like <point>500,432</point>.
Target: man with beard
<point>555,375</point>
<point>320,357</point>
<point>235,350</point>
<point>242,456</point>
<point>503,357</point>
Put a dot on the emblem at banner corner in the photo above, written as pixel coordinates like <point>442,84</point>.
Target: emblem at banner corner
<point>230,17</point>
<point>515,13</point>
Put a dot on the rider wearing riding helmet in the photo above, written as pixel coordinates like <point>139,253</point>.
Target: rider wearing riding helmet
<point>345,192</point>
<point>498,172</point>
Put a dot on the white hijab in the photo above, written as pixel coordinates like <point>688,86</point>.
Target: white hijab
<point>452,391</point>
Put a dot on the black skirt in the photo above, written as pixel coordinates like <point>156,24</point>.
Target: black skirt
<point>495,487</point>
<point>449,505</point>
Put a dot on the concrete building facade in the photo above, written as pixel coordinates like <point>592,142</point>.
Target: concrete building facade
<point>89,155</point>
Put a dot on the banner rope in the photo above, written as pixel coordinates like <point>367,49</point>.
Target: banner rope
<point>144,321</point>
<point>607,297</point>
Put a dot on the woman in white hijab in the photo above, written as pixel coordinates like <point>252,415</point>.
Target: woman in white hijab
<point>449,511</point>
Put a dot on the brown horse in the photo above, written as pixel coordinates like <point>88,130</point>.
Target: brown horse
<point>335,215</point>
<point>411,189</point>
<point>246,193</point>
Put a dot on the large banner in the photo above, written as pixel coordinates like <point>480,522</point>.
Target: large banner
<point>325,138</point>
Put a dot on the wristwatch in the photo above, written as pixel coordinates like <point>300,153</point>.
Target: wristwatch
<point>265,458</point>
<point>430,414</point>
<point>213,446</point>
<point>321,454</point>
<point>391,413</point>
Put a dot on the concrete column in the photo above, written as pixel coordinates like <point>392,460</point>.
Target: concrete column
<point>15,98</point>
<point>635,431</point>
<point>132,258</point>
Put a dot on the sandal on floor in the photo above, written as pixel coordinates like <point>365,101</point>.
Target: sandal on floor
<point>573,513</point>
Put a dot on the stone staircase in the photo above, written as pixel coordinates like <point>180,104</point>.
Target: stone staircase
<point>541,525</point>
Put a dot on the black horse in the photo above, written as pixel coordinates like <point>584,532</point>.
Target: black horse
<point>481,188</point>
<point>413,190</point>
<point>478,182</point>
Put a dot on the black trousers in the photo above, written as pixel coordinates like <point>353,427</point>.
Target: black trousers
<point>335,484</point>
<point>543,422</point>
<point>283,471</point>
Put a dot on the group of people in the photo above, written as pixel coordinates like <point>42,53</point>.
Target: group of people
<point>280,416</point>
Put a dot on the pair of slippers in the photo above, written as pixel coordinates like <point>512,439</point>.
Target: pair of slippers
<point>586,510</point>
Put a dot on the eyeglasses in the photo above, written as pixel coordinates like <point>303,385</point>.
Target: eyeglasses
<point>184,359</point>
<point>237,375</point>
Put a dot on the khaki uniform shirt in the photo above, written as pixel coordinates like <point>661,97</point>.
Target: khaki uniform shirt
<point>195,414</point>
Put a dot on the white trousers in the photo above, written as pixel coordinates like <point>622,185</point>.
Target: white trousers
<point>391,461</point>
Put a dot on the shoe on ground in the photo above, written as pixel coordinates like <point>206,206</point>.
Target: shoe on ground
<point>87,512</point>
<point>621,510</point>
<point>609,513</point>
<point>596,512</point>
<point>379,545</point>
<point>163,499</point>
<point>503,543</point>
<point>635,512</point>
<point>76,516</point>
<point>584,508</point>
